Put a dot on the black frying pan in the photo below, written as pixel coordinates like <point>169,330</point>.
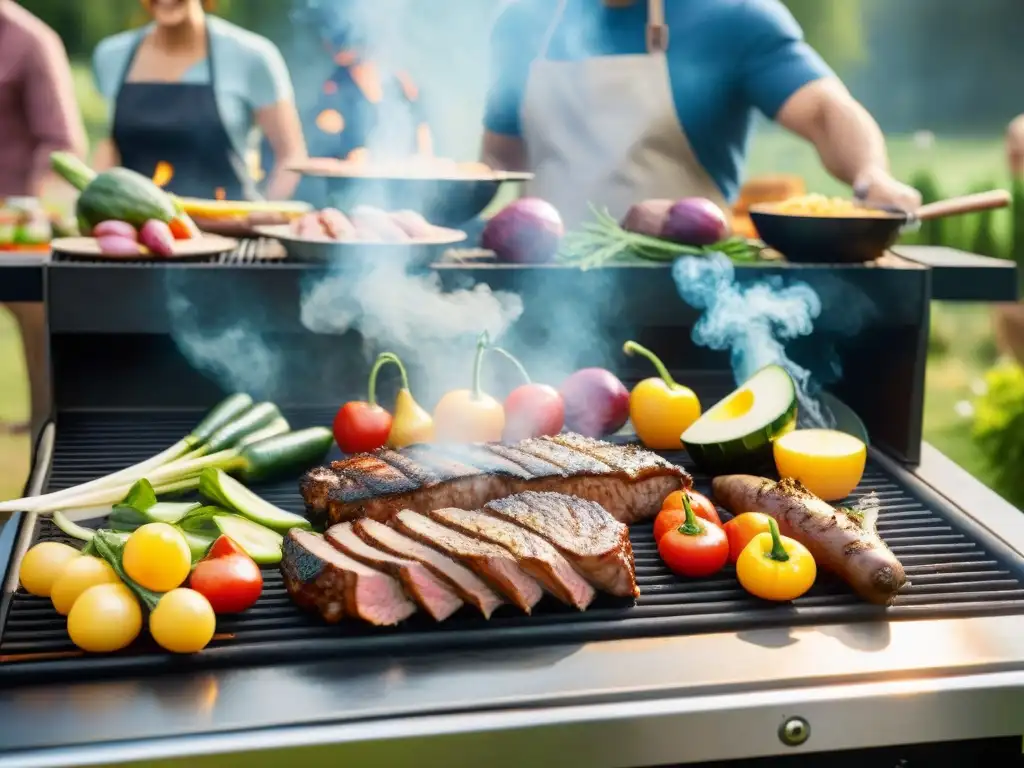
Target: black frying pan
<point>856,239</point>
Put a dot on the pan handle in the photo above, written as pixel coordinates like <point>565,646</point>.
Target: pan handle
<point>982,201</point>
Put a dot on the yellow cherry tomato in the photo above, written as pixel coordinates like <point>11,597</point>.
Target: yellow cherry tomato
<point>105,618</point>
<point>43,564</point>
<point>183,621</point>
<point>157,557</point>
<point>775,567</point>
<point>80,574</point>
<point>660,409</point>
<point>829,463</point>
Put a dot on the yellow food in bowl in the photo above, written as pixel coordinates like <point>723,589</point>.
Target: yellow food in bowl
<point>830,464</point>
<point>819,205</point>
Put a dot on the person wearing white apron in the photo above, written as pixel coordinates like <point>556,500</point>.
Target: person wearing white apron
<point>610,102</point>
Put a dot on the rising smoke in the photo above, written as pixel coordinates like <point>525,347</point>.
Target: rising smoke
<point>753,322</point>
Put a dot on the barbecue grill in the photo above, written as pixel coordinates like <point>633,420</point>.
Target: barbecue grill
<point>695,672</point>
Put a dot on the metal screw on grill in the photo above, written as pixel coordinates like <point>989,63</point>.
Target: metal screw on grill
<point>794,731</point>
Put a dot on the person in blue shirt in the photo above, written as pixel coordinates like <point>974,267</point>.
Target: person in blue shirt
<point>609,102</point>
<point>189,94</point>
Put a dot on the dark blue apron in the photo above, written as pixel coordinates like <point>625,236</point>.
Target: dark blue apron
<point>179,124</point>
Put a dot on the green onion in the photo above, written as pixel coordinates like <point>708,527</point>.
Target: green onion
<point>228,411</point>
<point>264,460</point>
<point>603,241</point>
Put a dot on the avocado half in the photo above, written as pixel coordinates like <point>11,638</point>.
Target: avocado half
<point>736,434</point>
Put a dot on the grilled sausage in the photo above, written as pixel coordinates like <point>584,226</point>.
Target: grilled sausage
<point>843,542</point>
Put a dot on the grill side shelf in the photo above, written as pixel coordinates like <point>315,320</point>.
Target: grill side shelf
<point>955,567</point>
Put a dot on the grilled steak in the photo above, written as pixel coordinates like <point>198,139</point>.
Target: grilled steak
<point>627,481</point>
<point>535,556</point>
<point>592,540</point>
<point>320,577</point>
<point>466,584</point>
<point>492,563</point>
<point>423,587</point>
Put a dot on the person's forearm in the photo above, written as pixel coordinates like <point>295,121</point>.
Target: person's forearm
<point>849,141</point>
<point>282,183</point>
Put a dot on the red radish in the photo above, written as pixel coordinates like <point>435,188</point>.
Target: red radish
<point>115,228</point>
<point>532,410</point>
<point>527,231</point>
<point>156,236</point>
<point>596,402</point>
<point>116,245</point>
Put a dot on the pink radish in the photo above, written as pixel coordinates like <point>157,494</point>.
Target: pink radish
<point>116,245</point>
<point>116,228</point>
<point>156,236</point>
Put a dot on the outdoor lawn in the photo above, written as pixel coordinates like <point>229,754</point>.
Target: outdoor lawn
<point>963,331</point>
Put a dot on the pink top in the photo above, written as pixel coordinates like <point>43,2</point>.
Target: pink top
<point>38,111</point>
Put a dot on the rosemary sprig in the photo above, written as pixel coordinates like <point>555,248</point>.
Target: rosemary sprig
<point>602,241</point>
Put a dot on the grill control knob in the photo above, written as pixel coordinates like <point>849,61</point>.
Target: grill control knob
<point>794,731</point>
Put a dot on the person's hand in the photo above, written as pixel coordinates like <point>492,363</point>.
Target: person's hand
<point>1015,146</point>
<point>877,188</point>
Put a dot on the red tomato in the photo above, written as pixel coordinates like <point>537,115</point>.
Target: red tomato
<point>695,555</point>
<point>533,410</point>
<point>231,582</point>
<point>360,427</point>
<point>742,529</point>
<point>701,505</point>
<point>222,547</point>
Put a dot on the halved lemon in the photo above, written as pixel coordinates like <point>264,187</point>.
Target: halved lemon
<point>830,464</point>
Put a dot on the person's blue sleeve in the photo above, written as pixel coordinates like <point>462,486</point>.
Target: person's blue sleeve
<point>269,80</point>
<point>776,61</point>
<point>510,65</point>
<point>109,59</point>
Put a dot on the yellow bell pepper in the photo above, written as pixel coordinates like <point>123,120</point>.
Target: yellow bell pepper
<point>775,567</point>
<point>660,408</point>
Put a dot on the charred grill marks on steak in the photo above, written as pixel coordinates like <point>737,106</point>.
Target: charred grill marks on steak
<point>535,555</point>
<point>466,584</point>
<point>492,563</point>
<point>628,481</point>
<point>596,544</point>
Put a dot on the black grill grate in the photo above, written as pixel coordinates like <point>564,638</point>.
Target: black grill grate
<point>953,573</point>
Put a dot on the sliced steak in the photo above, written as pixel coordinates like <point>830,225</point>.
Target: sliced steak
<point>492,563</point>
<point>592,540</point>
<point>535,555</point>
<point>429,592</point>
<point>627,481</point>
<point>319,577</point>
<point>466,584</point>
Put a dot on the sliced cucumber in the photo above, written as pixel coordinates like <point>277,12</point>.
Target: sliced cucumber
<point>284,454</point>
<point>198,543</point>
<point>170,511</point>
<point>220,488</point>
<point>261,544</point>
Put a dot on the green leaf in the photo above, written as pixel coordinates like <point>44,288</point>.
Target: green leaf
<point>141,497</point>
